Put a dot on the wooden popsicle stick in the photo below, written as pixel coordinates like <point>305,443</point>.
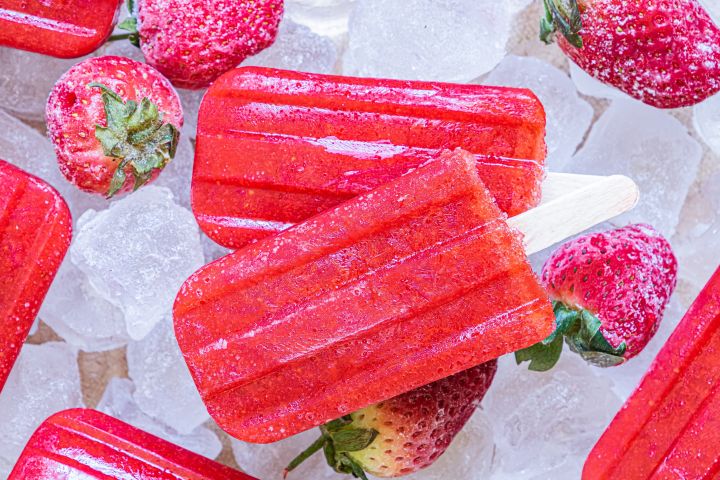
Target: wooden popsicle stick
<point>561,216</point>
<point>556,185</point>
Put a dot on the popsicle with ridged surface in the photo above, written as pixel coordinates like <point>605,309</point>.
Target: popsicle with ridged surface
<point>35,233</point>
<point>414,281</point>
<point>59,28</point>
<point>670,427</point>
<point>275,147</point>
<point>89,445</point>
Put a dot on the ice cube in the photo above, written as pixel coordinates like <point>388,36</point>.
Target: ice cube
<point>713,8</point>
<point>76,312</point>
<point>137,253</point>
<point>118,402</point>
<point>177,176</point>
<point>212,250</point>
<point>592,87</point>
<point>706,119</point>
<point>45,380</point>
<point>325,17</point>
<point>568,116</point>
<point>447,40</point>
<point>190,100</point>
<point>164,388</point>
<point>649,146</point>
<point>546,423</point>
<point>297,48</point>
<point>469,456</point>
<point>26,80</point>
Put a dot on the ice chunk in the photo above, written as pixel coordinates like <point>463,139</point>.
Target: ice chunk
<point>568,116</point>
<point>706,119</point>
<point>469,456</point>
<point>75,311</point>
<point>26,80</point>
<point>649,146</point>
<point>546,423</point>
<point>713,8</point>
<point>190,100</point>
<point>164,388</point>
<point>177,176</point>
<point>591,86</point>
<point>118,402</point>
<point>212,250</point>
<point>45,380</point>
<point>325,17</point>
<point>698,247</point>
<point>298,48</point>
<point>137,253</point>
<point>448,40</point>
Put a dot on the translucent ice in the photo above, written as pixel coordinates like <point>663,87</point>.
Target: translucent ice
<point>190,100</point>
<point>118,402</point>
<point>177,176</point>
<point>326,17</point>
<point>448,40</point>
<point>298,48</point>
<point>651,147</point>
<point>469,456</point>
<point>76,312</point>
<point>45,380</point>
<point>591,86</point>
<point>568,116</point>
<point>137,253</point>
<point>546,423</point>
<point>164,387</point>
<point>26,80</point>
<point>713,8</point>
<point>706,118</point>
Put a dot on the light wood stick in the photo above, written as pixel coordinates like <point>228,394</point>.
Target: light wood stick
<point>569,208</point>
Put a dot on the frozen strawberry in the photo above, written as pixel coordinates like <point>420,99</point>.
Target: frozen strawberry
<point>115,124</point>
<point>664,53</point>
<point>609,290</point>
<point>193,42</point>
<point>406,433</point>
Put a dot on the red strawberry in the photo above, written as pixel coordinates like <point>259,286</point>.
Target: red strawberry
<point>610,291</point>
<point>406,433</point>
<point>193,42</point>
<point>115,124</point>
<point>665,53</point>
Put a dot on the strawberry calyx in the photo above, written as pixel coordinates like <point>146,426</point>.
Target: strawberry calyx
<point>130,25</point>
<point>136,136</point>
<point>563,16</point>
<point>338,438</point>
<point>581,331</point>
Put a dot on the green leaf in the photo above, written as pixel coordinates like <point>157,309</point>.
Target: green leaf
<point>542,357</point>
<point>118,180</point>
<point>353,439</point>
<point>136,135</point>
<point>563,16</point>
<point>129,25</point>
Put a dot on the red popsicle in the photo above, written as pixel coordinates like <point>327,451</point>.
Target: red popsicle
<point>409,283</point>
<point>35,231</point>
<point>86,444</point>
<point>276,147</point>
<point>670,426</point>
<point>60,28</point>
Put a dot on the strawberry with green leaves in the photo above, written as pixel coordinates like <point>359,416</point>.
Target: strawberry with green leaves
<point>610,290</point>
<point>406,433</point>
<point>115,124</point>
<point>663,53</point>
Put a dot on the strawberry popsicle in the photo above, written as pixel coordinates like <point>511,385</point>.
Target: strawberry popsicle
<point>670,426</point>
<point>86,444</point>
<point>276,147</point>
<point>60,28</point>
<point>414,281</point>
<point>35,231</point>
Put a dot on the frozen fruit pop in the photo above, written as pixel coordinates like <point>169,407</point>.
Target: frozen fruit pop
<point>670,427</point>
<point>86,444</point>
<point>276,147</point>
<point>60,28</point>
<point>35,231</point>
<point>409,283</point>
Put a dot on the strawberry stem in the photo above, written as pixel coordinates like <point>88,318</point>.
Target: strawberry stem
<point>304,455</point>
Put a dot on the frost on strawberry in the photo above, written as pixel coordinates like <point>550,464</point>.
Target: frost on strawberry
<point>403,434</point>
<point>610,290</point>
<point>665,54</point>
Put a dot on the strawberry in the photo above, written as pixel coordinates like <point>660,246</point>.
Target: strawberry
<point>610,290</point>
<point>665,53</point>
<point>406,433</point>
<point>193,42</point>
<point>114,122</point>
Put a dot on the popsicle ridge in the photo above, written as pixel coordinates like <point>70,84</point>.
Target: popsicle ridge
<point>668,424</point>
<point>356,292</point>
